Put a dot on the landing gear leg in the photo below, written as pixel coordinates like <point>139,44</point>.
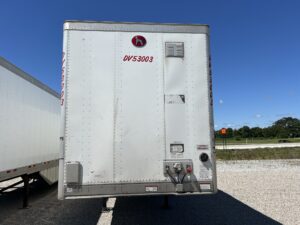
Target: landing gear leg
<point>104,205</point>
<point>25,191</point>
<point>166,202</point>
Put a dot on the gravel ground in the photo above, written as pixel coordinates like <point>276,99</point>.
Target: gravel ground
<point>250,193</point>
<point>272,187</point>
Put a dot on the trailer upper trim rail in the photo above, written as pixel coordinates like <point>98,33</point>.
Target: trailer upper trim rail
<point>136,27</point>
<point>9,66</point>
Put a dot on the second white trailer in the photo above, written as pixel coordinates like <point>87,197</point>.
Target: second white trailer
<point>29,125</point>
<point>136,110</point>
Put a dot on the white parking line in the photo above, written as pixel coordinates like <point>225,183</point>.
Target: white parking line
<point>106,217</point>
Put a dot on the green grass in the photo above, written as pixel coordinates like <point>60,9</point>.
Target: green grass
<point>262,153</point>
<point>232,141</point>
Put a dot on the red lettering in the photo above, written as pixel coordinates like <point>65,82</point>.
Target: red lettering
<point>130,57</point>
<point>138,58</point>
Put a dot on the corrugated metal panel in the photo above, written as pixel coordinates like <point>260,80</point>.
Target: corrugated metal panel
<point>29,118</point>
<point>119,127</point>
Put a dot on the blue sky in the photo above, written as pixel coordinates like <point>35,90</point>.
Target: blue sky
<point>255,47</point>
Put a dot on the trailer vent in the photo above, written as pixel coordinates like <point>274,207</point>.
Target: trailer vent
<point>175,49</point>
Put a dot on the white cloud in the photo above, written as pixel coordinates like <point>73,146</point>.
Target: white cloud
<point>258,115</point>
<point>221,101</point>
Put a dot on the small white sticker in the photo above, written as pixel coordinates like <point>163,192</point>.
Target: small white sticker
<point>205,173</point>
<point>174,99</point>
<point>151,189</point>
<point>205,186</point>
<point>176,148</point>
<point>200,147</point>
<point>69,189</point>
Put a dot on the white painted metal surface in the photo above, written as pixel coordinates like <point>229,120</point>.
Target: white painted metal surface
<point>29,118</point>
<point>117,123</point>
<point>50,175</point>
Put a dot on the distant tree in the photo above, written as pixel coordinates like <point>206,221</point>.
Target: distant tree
<point>287,127</point>
<point>256,132</point>
<point>236,133</point>
<point>269,132</point>
<point>229,133</point>
<point>217,134</point>
<point>245,132</point>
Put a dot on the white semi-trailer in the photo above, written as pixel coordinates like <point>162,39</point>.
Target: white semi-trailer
<point>29,126</point>
<point>136,110</point>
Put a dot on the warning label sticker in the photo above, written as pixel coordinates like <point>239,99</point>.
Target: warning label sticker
<point>151,188</point>
<point>205,173</point>
<point>174,99</point>
<point>200,147</point>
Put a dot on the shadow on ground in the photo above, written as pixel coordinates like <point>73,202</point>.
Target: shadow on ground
<point>45,209</point>
<point>218,209</point>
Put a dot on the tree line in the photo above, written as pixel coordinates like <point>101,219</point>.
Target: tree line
<point>286,127</point>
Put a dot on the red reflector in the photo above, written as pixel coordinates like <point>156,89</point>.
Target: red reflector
<point>189,169</point>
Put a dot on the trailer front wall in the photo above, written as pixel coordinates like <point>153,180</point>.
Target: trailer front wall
<point>122,116</point>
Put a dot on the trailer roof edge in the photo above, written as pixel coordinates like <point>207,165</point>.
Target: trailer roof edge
<point>14,69</point>
<point>136,27</point>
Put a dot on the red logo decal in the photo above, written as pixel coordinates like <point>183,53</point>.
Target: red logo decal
<point>138,41</point>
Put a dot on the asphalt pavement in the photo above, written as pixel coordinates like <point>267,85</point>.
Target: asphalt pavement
<point>250,193</point>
